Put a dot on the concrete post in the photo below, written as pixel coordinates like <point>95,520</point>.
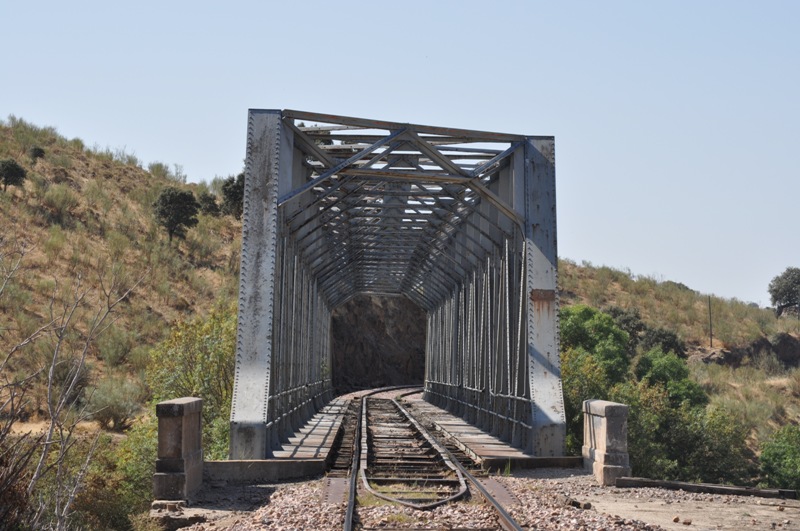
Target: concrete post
<point>179,467</point>
<point>605,440</point>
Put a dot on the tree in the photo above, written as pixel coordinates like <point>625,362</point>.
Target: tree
<point>176,210</point>
<point>11,173</point>
<point>785,290</point>
<point>208,204</point>
<point>233,195</point>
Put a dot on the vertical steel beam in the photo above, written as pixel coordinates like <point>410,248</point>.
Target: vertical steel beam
<point>544,366</point>
<point>256,287</point>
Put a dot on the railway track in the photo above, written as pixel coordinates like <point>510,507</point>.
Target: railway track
<point>403,463</point>
<point>397,459</point>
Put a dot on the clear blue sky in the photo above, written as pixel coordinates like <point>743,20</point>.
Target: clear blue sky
<point>677,123</point>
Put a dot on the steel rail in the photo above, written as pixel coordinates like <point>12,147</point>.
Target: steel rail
<point>353,486</point>
<point>507,521</point>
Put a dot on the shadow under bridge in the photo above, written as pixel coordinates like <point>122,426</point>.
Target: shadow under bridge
<point>460,222</point>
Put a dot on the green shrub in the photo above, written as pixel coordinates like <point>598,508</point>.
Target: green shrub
<point>233,195</point>
<point>56,239</point>
<point>666,340</point>
<point>582,379</point>
<point>685,443</point>
<point>119,484</point>
<point>114,345</point>
<point>115,402</point>
<point>35,152</point>
<point>595,332</point>
<point>176,210</point>
<point>780,459</point>
<point>197,359</point>
<point>59,201</point>
<point>656,367</point>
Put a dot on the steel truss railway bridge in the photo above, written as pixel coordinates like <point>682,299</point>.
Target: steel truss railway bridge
<point>461,222</point>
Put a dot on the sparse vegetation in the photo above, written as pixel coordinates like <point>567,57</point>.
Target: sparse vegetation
<point>80,226</point>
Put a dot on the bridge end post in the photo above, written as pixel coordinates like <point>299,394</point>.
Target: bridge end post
<point>605,440</point>
<point>179,466</point>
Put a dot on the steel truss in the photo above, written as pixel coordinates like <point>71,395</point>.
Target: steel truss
<point>461,222</point>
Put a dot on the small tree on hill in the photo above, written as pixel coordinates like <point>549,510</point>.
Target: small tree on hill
<point>785,290</point>
<point>208,204</point>
<point>176,210</point>
<point>11,173</point>
<point>233,195</point>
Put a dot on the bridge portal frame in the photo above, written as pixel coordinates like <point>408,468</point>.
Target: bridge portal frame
<point>443,216</point>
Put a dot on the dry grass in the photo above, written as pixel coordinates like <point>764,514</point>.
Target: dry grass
<point>670,305</point>
<point>762,399</point>
<point>87,214</point>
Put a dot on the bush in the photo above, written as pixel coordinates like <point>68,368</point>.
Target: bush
<point>629,320</point>
<point>59,201</point>
<point>119,484</point>
<point>197,359</point>
<point>656,367</point>
<point>595,332</point>
<point>685,443</point>
<point>780,459</point>
<point>582,379</point>
<point>35,152</point>
<point>666,340</point>
<point>115,402</point>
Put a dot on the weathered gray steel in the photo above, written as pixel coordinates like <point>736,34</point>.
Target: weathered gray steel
<point>461,222</point>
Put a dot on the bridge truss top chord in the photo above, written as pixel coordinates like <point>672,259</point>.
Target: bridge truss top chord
<point>461,222</point>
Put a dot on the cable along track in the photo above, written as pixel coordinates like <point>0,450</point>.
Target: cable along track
<point>400,462</point>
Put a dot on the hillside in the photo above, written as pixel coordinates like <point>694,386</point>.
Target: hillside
<point>753,369</point>
<point>672,305</point>
<point>79,233</point>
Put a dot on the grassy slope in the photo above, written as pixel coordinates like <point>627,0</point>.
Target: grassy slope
<point>85,216</point>
<point>762,393</point>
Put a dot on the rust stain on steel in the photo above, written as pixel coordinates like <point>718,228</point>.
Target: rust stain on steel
<point>543,295</point>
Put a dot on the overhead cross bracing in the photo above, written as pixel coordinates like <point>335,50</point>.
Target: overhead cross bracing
<point>461,222</point>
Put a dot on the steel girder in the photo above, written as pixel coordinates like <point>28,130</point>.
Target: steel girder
<point>461,222</point>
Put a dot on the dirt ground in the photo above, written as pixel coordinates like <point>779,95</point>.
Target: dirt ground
<point>662,507</point>
<point>237,507</point>
<point>734,513</point>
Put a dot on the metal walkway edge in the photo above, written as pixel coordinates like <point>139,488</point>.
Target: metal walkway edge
<point>315,439</point>
<point>491,452</point>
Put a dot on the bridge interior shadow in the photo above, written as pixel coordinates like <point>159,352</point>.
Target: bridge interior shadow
<point>377,342</point>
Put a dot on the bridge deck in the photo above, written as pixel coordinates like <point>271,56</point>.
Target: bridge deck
<point>315,439</point>
<point>491,452</point>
